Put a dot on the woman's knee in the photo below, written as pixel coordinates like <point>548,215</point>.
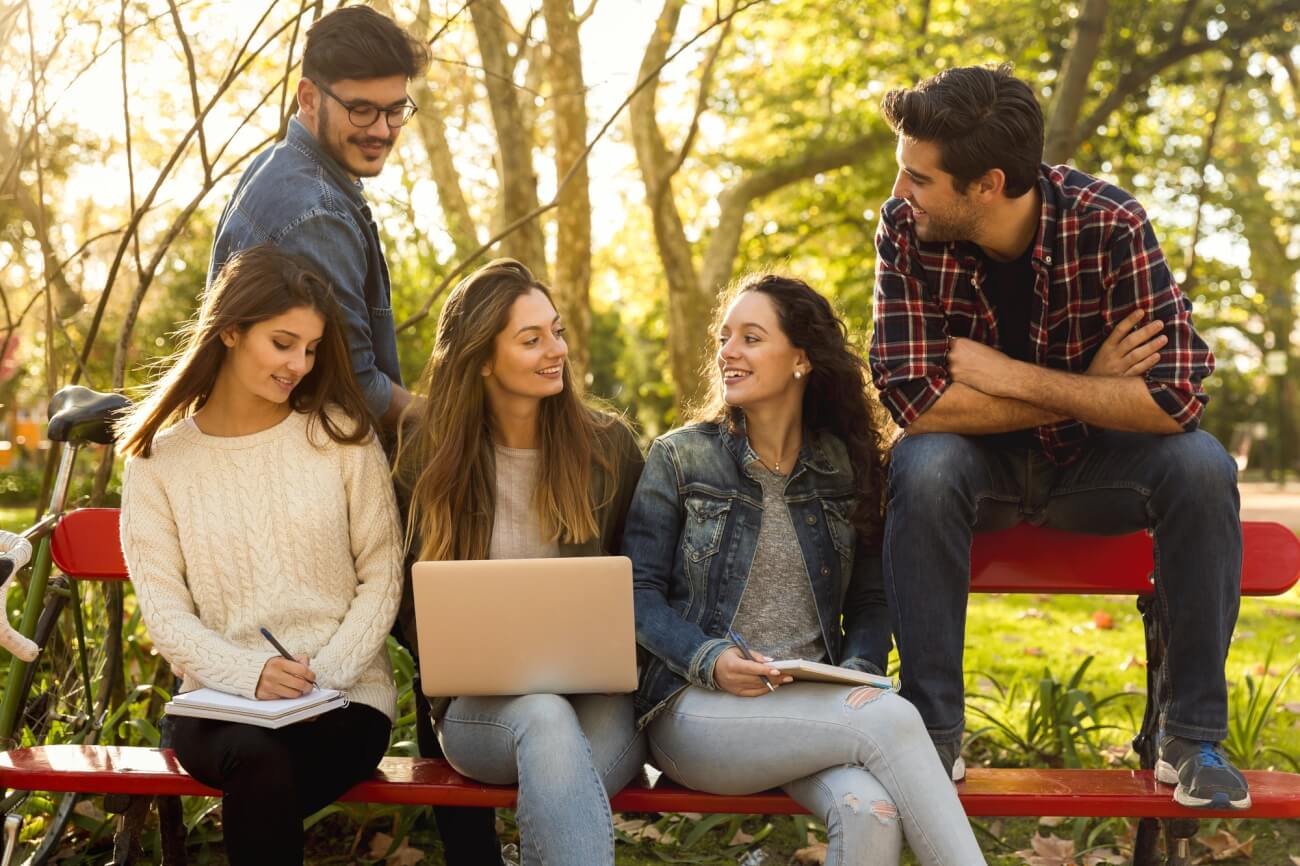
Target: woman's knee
<point>542,716</point>
<point>885,717</point>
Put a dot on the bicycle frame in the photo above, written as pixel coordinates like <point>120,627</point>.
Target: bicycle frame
<point>15,694</point>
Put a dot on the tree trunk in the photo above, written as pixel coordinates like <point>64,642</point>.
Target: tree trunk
<point>514,138</point>
<point>735,200</point>
<point>688,304</point>
<point>573,215</point>
<point>1062,131</point>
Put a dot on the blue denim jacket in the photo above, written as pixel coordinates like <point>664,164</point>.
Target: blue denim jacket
<point>298,198</point>
<point>692,531</point>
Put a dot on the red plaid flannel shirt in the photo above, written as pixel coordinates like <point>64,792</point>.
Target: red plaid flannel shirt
<point>1096,260</point>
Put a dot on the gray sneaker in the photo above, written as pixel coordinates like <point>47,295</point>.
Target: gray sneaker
<point>1205,777</point>
<point>950,755</point>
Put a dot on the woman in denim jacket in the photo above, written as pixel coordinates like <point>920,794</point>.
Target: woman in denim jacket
<point>763,519</point>
<point>507,462</point>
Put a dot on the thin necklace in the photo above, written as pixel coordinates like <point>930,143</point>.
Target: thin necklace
<point>774,468</point>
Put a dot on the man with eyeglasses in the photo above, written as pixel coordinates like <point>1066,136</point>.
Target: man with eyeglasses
<point>305,195</point>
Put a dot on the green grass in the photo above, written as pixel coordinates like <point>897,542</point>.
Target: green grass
<point>16,518</point>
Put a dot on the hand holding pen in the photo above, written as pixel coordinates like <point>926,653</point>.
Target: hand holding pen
<point>284,675</point>
<point>745,674</point>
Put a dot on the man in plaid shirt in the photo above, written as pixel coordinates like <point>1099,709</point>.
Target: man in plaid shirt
<point>1031,342</point>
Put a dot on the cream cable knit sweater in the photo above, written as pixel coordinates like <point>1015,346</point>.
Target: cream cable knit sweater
<point>226,534</point>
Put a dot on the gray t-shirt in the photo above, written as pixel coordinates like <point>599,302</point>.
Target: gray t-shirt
<point>777,614</point>
<point>516,529</point>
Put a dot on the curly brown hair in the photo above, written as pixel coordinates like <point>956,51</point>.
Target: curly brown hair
<point>837,399</point>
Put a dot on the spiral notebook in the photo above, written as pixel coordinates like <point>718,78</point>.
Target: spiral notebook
<point>222,706</point>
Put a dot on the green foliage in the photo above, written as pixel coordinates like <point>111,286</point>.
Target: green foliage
<point>1251,712</point>
<point>1045,721</point>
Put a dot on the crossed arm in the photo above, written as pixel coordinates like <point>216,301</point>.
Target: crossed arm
<point>992,393</point>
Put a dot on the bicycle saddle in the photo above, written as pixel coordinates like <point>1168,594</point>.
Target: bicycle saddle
<point>80,415</point>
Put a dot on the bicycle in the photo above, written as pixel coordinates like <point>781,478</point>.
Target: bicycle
<point>80,677</point>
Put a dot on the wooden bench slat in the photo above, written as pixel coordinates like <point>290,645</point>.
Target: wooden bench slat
<point>1021,559</point>
<point>425,781</point>
<point>1035,559</point>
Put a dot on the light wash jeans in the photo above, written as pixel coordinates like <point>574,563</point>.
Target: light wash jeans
<point>567,753</point>
<point>857,758</point>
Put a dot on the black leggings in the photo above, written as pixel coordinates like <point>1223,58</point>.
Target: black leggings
<point>273,779</point>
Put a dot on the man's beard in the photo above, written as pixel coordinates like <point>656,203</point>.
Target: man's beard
<point>950,227</point>
<point>326,143</point>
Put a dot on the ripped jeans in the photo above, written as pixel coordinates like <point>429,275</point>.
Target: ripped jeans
<point>857,758</point>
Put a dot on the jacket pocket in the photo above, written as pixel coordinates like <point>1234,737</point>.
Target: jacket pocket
<point>705,518</point>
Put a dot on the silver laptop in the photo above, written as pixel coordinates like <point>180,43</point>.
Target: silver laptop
<point>525,626</point>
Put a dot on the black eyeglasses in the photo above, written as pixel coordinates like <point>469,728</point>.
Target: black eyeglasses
<point>364,114</point>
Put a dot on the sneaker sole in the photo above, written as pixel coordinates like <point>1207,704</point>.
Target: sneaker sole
<point>959,769</point>
<point>1167,775</point>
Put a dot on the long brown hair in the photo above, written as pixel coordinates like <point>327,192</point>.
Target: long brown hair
<point>256,284</point>
<point>836,400</point>
<point>449,454</point>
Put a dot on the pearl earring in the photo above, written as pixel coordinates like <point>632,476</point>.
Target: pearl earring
<point>798,374</point>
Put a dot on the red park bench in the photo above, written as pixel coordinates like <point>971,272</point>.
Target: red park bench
<point>1020,560</point>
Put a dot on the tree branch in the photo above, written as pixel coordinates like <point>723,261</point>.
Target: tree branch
<point>194,80</point>
<point>645,81</point>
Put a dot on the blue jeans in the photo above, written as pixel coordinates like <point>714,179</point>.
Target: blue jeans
<point>566,753</point>
<point>857,758</point>
<point>944,487</point>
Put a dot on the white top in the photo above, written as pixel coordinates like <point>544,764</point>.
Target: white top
<point>516,525</point>
<point>223,535</point>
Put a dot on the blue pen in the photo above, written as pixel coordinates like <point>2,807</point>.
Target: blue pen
<point>744,650</point>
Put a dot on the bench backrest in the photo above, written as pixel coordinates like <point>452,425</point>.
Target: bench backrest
<point>1022,559</point>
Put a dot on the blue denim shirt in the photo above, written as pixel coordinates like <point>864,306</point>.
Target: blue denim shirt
<point>298,198</point>
<point>692,531</point>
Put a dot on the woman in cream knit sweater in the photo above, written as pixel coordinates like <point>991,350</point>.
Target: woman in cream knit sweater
<point>255,495</point>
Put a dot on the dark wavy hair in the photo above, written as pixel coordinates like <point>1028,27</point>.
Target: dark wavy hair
<point>980,118</point>
<point>837,399</point>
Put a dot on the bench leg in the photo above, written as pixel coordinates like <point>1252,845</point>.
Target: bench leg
<point>1179,833</point>
<point>126,841</point>
<point>1146,844</point>
<point>171,826</point>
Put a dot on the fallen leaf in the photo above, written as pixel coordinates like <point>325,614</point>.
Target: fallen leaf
<point>1294,709</point>
<point>403,855</point>
<point>1295,860</point>
<point>1034,651</point>
<point>90,809</point>
<point>1104,855</point>
<point>1031,613</point>
<point>813,855</point>
<point>741,838</point>
<point>1285,613</point>
<point>1132,662</point>
<point>1103,620</point>
<point>1115,754</point>
<point>1048,851</point>
<point>1224,846</point>
<point>1051,820</point>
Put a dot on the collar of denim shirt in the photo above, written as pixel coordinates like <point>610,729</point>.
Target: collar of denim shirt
<point>300,138</point>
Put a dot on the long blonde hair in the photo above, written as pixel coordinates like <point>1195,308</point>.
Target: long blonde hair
<point>449,456</point>
<point>254,285</point>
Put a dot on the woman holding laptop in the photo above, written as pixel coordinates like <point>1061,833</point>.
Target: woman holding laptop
<point>755,535</point>
<point>256,496</point>
<point>506,461</point>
